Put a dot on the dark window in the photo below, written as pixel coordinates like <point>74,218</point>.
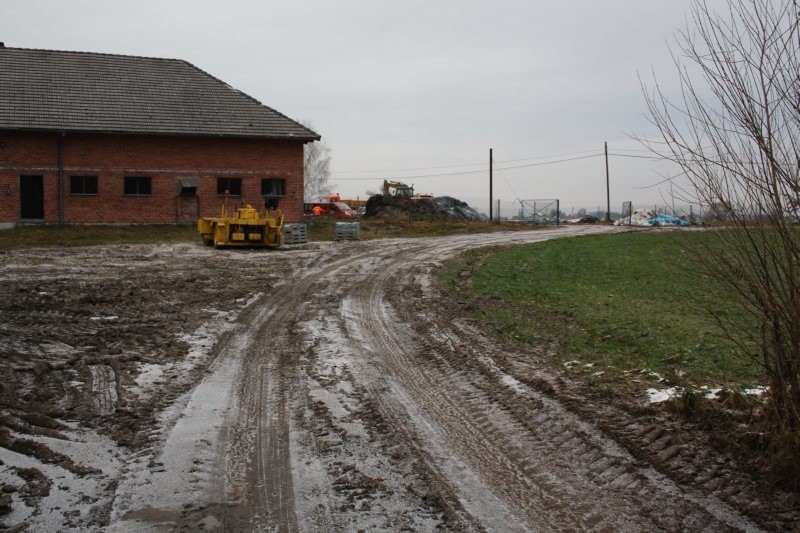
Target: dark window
<point>137,185</point>
<point>83,184</point>
<point>273,187</point>
<point>232,186</point>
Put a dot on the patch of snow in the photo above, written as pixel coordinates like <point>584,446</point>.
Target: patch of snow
<point>511,382</point>
<point>87,497</point>
<point>187,438</point>
<point>200,342</point>
<point>179,471</point>
<point>148,374</point>
<point>662,395</point>
<point>253,299</point>
<point>758,392</point>
<point>712,394</point>
<point>112,317</point>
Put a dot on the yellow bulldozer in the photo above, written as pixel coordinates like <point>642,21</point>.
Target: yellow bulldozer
<point>246,226</point>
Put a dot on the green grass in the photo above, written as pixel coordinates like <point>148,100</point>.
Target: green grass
<point>625,301</point>
<point>88,235</point>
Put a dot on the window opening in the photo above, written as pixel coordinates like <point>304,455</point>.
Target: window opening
<point>83,184</point>
<point>273,187</point>
<point>138,185</point>
<point>232,186</point>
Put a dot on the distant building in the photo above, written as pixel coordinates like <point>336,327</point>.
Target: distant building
<point>99,138</point>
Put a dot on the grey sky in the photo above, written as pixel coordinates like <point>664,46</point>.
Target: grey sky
<point>406,89</point>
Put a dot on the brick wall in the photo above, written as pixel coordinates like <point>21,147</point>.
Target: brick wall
<point>167,161</point>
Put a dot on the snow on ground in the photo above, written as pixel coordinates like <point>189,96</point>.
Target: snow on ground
<point>151,376</point>
<point>166,475</point>
<point>662,395</point>
<point>669,393</point>
<point>69,495</point>
<point>349,447</point>
<point>177,470</point>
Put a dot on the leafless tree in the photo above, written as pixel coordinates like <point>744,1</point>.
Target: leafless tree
<point>734,131</point>
<point>316,168</point>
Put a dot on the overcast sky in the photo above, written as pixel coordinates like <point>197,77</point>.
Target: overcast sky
<point>417,90</point>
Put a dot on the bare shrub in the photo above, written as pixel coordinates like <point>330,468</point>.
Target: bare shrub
<point>734,132</point>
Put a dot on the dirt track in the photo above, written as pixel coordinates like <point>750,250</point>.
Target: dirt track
<point>323,387</point>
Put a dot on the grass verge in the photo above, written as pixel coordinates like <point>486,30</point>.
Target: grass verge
<point>622,302</point>
<point>627,306</point>
<point>89,235</point>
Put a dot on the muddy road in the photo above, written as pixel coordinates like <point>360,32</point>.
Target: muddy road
<point>321,387</point>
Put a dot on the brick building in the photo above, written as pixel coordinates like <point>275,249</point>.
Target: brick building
<point>99,138</point>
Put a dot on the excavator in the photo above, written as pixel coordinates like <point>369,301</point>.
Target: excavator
<point>398,188</point>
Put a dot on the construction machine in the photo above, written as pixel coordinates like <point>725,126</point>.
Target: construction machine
<point>246,226</point>
<point>351,204</point>
<point>398,188</point>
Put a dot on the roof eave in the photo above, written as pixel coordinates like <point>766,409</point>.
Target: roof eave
<point>299,138</point>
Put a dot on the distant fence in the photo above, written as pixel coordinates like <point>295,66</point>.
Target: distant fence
<point>536,211</point>
<point>553,211</point>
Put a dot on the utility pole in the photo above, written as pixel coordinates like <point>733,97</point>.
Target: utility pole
<point>608,189</point>
<point>490,184</point>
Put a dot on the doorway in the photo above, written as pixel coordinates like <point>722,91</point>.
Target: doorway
<point>31,197</point>
<point>187,201</point>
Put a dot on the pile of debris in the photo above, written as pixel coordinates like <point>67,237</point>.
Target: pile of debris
<point>651,218</point>
<point>402,208</point>
<point>420,208</point>
<point>456,209</point>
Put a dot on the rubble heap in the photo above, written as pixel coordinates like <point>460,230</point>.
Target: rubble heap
<point>457,209</point>
<point>403,207</point>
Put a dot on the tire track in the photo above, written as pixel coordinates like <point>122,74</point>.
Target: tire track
<point>255,460</point>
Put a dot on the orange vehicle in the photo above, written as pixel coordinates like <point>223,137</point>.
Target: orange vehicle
<point>329,208</point>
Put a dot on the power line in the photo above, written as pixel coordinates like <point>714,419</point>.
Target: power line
<point>665,180</point>
<point>400,171</point>
<point>549,156</point>
<point>650,157</point>
<point>483,163</point>
<point>644,150</point>
<point>466,172</point>
<point>555,162</point>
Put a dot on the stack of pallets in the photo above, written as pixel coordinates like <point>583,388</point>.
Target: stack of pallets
<point>348,231</point>
<point>295,234</point>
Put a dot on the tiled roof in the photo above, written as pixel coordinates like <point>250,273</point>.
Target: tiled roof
<point>45,90</point>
